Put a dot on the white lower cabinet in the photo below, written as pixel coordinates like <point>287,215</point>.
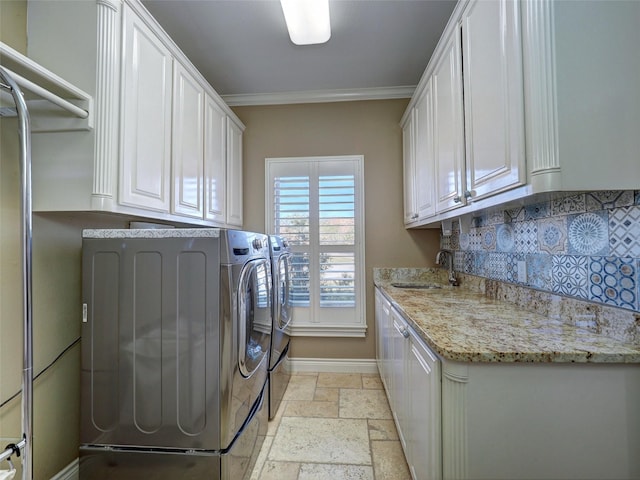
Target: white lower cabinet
<point>410,373</point>
<point>509,420</point>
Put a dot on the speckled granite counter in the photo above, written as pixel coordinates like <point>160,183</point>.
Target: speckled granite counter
<point>465,325</point>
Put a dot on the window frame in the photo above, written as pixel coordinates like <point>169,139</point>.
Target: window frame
<point>315,325</point>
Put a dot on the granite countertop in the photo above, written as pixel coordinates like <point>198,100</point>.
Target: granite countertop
<point>467,326</point>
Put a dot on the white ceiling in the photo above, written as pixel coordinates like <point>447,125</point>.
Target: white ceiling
<point>242,46</point>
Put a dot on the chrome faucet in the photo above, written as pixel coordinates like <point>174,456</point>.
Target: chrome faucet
<point>452,274</point>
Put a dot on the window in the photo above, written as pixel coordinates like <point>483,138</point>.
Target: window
<point>317,204</point>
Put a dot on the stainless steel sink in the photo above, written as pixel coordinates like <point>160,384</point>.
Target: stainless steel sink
<point>415,285</point>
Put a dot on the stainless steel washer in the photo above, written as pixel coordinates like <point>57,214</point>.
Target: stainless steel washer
<point>175,349</point>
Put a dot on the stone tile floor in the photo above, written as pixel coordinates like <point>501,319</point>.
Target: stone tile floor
<point>334,426</point>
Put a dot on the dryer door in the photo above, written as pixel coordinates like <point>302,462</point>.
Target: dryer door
<point>254,304</point>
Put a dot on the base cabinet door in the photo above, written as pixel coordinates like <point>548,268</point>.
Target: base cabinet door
<point>424,436</point>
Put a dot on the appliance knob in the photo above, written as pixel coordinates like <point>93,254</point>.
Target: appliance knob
<point>257,244</point>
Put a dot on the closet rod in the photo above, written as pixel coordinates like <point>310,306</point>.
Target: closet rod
<point>24,133</point>
<point>11,451</point>
<point>47,95</point>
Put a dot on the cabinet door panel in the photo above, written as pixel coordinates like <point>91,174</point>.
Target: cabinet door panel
<point>188,129</point>
<point>424,159</point>
<point>146,118</point>
<point>234,174</point>
<point>215,162</point>
<point>493,97</point>
<point>424,431</point>
<point>448,126</point>
<point>408,169</point>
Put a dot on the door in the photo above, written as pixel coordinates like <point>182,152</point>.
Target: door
<point>283,292</point>
<point>493,97</point>
<point>187,144</point>
<point>234,174</point>
<point>215,161</point>
<point>424,159</point>
<point>254,315</point>
<point>146,117</point>
<point>448,126</point>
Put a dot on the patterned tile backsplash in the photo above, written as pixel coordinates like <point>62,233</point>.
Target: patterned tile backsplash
<point>583,245</point>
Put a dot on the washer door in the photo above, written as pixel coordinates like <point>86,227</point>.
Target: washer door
<point>284,291</point>
<point>254,315</point>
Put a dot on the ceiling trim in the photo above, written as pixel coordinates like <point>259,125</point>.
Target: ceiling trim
<point>319,96</point>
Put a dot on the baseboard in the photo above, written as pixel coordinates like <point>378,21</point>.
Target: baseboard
<point>335,365</point>
<point>70,472</point>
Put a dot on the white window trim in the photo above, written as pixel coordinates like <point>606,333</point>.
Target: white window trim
<point>358,327</point>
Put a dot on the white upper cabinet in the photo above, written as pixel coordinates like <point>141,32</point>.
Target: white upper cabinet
<point>448,125</point>
<point>165,145</point>
<point>582,72</point>
<point>424,154</point>
<point>530,97</point>
<point>408,168</point>
<point>215,161</point>
<point>145,167</point>
<point>234,173</point>
<point>493,97</point>
<point>419,157</point>
<point>188,144</point>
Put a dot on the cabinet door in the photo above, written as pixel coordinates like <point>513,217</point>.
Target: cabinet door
<point>424,160</point>
<point>448,126</point>
<point>424,432</point>
<point>408,169</point>
<point>234,174</point>
<point>493,97</point>
<point>215,161</point>
<point>188,147</point>
<point>146,117</point>
<point>400,384</point>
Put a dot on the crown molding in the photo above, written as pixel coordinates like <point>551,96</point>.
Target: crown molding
<point>319,96</point>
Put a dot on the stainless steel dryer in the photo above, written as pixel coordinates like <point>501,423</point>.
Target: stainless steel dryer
<point>282,314</point>
<point>175,340</point>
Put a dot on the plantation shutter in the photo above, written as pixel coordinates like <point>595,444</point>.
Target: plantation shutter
<point>316,204</point>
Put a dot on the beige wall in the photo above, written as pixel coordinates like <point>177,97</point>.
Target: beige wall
<point>369,128</point>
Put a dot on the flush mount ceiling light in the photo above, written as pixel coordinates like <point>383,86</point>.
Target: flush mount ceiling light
<point>307,20</point>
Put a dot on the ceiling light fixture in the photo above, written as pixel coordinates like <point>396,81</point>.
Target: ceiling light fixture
<point>307,21</point>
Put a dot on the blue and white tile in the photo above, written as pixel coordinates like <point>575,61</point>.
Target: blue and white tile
<point>514,215</point>
<point>570,275</point>
<point>614,281</point>
<point>552,235</point>
<point>496,266</point>
<point>637,195</point>
<point>458,261</point>
<point>525,237</point>
<point>495,217</point>
<point>606,200</point>
<point>468,262</point>
<point>475,239</point>
<point>479,220</point>
<point>538,210</point>
<point>445,242</point>
<point>539,268</point>
<point>624,232</point>
<point>480,262</point>
<point>568,205</point>
<point>505,238</point>
<point>588,233</point>
<point>465,241</point>
<point>511,266</point>
<point>488,238</point>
